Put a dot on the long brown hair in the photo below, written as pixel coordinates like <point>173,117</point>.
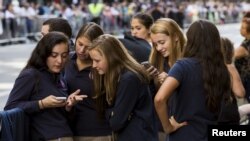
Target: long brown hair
<point>203,43</point>
<point>227,49</point>
<point>90,31</point>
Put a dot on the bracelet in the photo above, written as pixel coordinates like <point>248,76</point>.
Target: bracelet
<point>42,105</point>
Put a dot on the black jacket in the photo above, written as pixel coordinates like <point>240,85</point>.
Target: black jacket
<point>139,48</point>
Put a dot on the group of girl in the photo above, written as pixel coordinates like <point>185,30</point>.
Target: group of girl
<point>112,97</point>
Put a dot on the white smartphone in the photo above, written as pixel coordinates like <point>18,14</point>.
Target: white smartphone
<point>61,98</point>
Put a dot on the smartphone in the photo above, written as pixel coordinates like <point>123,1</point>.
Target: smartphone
<point>146,64</point>
<point>61,98</point>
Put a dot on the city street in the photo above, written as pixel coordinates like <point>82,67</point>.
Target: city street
<point>13,58</point>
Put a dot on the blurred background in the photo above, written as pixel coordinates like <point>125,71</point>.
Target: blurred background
<point>21,20</point>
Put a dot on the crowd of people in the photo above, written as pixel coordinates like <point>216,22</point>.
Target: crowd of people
<point>23,18</point>
<point>154,84</point>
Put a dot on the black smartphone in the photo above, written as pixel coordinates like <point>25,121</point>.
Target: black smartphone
<point>146,64</point>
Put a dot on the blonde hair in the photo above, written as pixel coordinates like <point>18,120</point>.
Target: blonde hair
<point>118,59</point>
<point>170,28</point>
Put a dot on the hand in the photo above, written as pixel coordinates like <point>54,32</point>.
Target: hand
<point>150,69</point>
<point>153,71</point>
<point>51,102</point>
<point>174,125</point>
<point>73,99</point>
<point>162,76</point>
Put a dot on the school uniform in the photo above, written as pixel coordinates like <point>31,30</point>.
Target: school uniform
<point>190,102</point>
<point>153,90</point>
<point>138,48</point>
<point>31,86</point>
<point>86,121</point>
<point>132,117</point>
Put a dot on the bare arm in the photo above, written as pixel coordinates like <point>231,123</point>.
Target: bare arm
<point>240,52</point>
<point>162,76</point>
<point>161,99</point>
<point>237,86</point>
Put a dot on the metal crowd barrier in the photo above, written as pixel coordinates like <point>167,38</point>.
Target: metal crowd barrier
<point>23,29</point>
<point>19,30</point>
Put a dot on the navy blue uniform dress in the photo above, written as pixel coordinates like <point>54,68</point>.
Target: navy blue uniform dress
<point>85,119</point>
<point>31,86</point>
<point>189,101</point>
<point>132,117</point>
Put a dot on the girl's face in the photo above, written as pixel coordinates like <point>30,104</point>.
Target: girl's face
<point>58,58</point>
<point>139,30</point>
<point>82,44</point>
<point>99,61</point>
<point>162,43</point>
<point>243,29</point>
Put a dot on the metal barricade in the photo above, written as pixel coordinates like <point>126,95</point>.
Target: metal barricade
<point>20,30</point>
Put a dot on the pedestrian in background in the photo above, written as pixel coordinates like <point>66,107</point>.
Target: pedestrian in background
<point>121,91</point>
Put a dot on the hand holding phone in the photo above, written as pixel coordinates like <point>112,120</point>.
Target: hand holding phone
<point>146,64</point>
<point>150,68</point>
<point>61,98</point>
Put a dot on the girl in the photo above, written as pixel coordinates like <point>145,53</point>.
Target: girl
<point>202,86</point>
<point>38,86</point>
<point>121,91</point>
